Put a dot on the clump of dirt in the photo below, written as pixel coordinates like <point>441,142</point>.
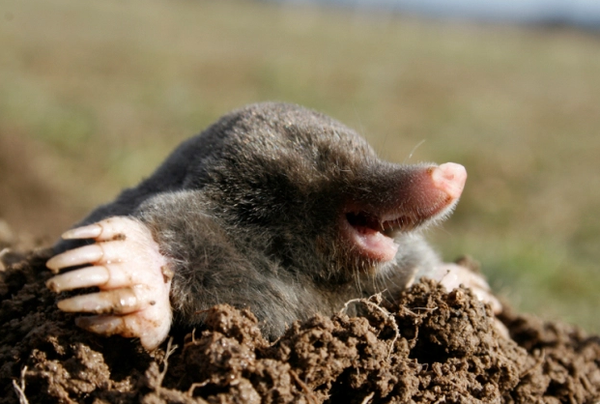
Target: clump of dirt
<point>429,347</point>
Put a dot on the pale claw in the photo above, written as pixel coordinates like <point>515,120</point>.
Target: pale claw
<point>82,278</point>
<point>78,256</point>
<point>118,301</point>
<point>128,326</point>
<point>133,277</point>
<point>90,231</point>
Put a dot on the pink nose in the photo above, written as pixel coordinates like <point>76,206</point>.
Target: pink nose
<point>450,178</point>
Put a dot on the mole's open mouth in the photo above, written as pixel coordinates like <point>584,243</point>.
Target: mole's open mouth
<point>389,228</point>
<point>371,236</point>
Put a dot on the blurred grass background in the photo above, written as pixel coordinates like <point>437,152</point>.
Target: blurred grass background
<point>93,95</point>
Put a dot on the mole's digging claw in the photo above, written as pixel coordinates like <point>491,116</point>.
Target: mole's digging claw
<point>78,256</point>
<point>118,301</point>
<point>105,325</point>
<point>107,229</point>
<point>81,278</point>
<point>128,326</point>
<point>91,231</point>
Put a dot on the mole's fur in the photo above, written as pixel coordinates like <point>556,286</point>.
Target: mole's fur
<point>254,212</point>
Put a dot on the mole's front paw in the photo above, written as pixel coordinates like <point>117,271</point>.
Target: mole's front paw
<point>133,277</point>
<point>451,276</point>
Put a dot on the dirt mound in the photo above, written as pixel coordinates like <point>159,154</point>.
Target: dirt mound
<point>431,347</point>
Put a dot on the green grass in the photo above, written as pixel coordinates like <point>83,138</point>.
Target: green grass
<point>102,91</point>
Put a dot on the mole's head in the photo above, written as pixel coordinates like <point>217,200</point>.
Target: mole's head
<point>313,195</point>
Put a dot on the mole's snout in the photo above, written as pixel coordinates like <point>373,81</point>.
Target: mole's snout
<point>424,195</point>
<point>450,178</point>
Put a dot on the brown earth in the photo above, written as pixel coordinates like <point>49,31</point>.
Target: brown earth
<point>430,347</point>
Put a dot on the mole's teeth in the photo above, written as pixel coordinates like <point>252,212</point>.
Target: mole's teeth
<point>117,301</point>
<point>90,231</point>
<point>78,256</point>
<point>389,232</point>
<point>81,278</point>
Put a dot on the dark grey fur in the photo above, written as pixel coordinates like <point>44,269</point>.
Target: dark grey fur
<point>248,214</point>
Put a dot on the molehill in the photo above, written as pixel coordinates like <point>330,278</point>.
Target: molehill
<point>430,347</point>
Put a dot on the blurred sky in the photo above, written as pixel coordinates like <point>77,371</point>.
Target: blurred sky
<point>572,12</point>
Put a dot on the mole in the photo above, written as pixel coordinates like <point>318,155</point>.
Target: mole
<point>275,208</point>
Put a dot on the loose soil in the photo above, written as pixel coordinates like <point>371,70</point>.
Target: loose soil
<point>430,347</point>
